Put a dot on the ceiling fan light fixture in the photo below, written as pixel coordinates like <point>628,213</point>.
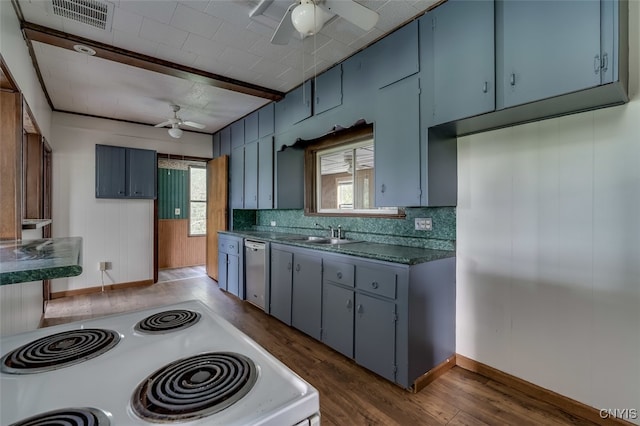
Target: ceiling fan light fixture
<point>307,19</point>
<point>175,131</point>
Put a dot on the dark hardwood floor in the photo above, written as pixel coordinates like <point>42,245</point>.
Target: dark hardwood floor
<point>349,394</point>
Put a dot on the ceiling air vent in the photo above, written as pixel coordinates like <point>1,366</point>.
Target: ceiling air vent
<point>98,14</point>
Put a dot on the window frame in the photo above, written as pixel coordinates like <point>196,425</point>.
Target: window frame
<point>311,173</point>
<point>190,201</point>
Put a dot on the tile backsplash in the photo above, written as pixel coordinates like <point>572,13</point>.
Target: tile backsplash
<point>400,231</point>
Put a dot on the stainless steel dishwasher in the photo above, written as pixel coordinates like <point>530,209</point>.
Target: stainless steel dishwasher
<point>255,274</point>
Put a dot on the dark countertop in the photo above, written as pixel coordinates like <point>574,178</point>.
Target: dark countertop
<point>42,259</point>
<point>387,252</point>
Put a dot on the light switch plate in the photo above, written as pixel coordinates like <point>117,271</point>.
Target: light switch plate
<point>423,224</point>
<point>176,211</point>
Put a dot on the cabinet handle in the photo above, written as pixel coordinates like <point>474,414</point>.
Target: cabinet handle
<point>512,79</point>
<point>605,62</point>
<point>359,309</point>
<point>596,64</point>
<point>289,266</point>
<point>317,99</point>
<point>339,275</point>
<point>349,304</point>
<point>383,188</point>
<point>298,267</point>
<point>485,87</point>
<point>374,284</point>
<point>120,192</point>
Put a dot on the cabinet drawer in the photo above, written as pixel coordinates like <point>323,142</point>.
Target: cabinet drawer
<point>229,246</point>
<point>338,272</point>
<point>377,281</point>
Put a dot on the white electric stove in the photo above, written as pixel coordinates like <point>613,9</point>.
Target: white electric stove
<point>177,364</point>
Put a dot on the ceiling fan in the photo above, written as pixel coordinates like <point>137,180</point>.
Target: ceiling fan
<point>175,131</point>
<point>308,16</point>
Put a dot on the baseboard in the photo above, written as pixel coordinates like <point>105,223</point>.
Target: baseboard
<point>91,290</point>
<point>566,404</point>
<point>437,371</point>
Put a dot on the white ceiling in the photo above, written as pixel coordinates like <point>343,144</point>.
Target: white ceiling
<point>216,37</point>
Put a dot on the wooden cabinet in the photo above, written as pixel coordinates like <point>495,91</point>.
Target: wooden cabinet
<point>281,283</point>
<point>265,173</point>
<point>296,288</point>
<point>328,89</point>
<point>546,49</point>
<point>125,172</point>
<point>230,265</point>
<point>251,127</point>
<point>266,120</point>
<point>290,179</point>
<point>251,176</point>
<point>237,178</point>
<point>458,38</point>
<point>397,145</point>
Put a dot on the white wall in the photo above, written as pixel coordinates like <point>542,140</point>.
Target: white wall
<point>548,272</point>
<point>16,55</point>
<point>117,231</point>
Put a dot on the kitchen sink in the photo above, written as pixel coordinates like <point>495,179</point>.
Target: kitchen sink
<point>332,241</point>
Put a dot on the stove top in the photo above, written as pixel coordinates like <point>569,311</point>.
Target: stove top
<point>179,364</point>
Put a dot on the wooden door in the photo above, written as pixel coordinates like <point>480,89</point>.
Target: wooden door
<point>217,202</point>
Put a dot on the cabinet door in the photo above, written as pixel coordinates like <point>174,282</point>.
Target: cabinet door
<point>141,173</point>
<point>222,269</point>
<point>463,59</point>
<point>251,128</point>
<point>337,318</point>
<point>110,171</point>
<point>397,145</point>
<point>266,121</point>
<point>402,46</point>
<point>299,103</point>
<point>237,134</point>
<point>216,145</point>
<point>237,178</point>
<point>545,49</point>
<point>281,283</point>
<point>306,298</point>
<point>375,335</point>
<point>225,141</point>
<point>290,179</point>
<point>233,275</point>
<point>265,173</point>
<point>251,176</point>
<point>328,90</point>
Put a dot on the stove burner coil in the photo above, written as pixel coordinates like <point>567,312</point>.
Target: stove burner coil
<point>85,416</point>
<point>168,321</point>
<point>59,350</point>
<point>194,387</point>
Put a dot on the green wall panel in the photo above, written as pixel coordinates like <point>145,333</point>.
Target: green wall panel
<point>173,192</point>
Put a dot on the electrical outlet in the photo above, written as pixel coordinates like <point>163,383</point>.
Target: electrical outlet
<point>423,224</point>
<point>104,266</point>
<point>273,223</point>
<point>176,211</point>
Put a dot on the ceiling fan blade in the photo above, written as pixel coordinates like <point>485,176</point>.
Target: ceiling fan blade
<point>353,12</point>
<point>261,7</point>
<point>193,124</point>
<point>285,28</point>
<point>166,123</point>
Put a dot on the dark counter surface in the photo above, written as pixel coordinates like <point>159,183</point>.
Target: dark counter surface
<point>386,252</point>
<point>41,259</point>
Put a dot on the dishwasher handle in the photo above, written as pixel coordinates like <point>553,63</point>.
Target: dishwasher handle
<point>254,245</point>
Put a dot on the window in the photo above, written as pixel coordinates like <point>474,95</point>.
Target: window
<point>197,200</point>
<point>340,175</point>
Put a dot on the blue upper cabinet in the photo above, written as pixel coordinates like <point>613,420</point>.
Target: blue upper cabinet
<point>266,120</point>
<point>609,40</point>
<point>225,141</point>
<point>295,107</point>
<point>545,49</point>
<point>328,90</point>
<point>265,172</point>
<point>237,134</point>
<point>458,41</point>
<point>125,172</point>
<point>397,145</point>
<point>216,145</point>
<point>251,127</point>
<point>396,56</point>
<point>237,178</point>
<point>251,176</point>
